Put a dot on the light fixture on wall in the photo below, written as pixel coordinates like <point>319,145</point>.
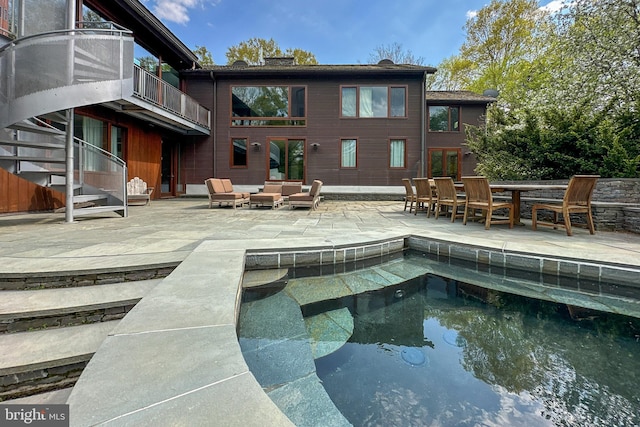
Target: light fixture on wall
<point>315,146</point>
<point>256,146</point>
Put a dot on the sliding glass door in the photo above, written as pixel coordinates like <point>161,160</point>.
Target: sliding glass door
<point>286,160</point>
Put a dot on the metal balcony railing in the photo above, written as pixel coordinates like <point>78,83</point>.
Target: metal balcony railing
<point>150,88</point>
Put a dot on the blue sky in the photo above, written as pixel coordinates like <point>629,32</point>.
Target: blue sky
<point>335,31</point>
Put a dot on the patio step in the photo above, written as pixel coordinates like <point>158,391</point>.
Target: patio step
<point>22,311</point>
<point>46,360</point>
<point>49,334</point>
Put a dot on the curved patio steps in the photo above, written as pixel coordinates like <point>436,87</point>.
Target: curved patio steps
<point>49,335</point>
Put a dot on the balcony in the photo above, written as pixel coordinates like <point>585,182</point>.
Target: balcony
<point>164,97</point>
<point>65,69</point>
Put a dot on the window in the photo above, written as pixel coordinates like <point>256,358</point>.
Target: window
<point>444,119</point>
<point>397,153</point>
<point>286,160</point>
<point>348,153</point>
<point>268,106</point>
<point>239,153</point>
<point>373,101</point>
<point>444,162</point>
<point>94,132</point>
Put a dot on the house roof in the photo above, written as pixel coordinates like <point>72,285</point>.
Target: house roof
<point>148,31</point>
<point>270,69</point>
<point>458,96</point>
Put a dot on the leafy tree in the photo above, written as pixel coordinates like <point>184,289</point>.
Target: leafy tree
<point>504,50</point>
<point>395,53</point>
<point>254,50</point>
<point>204,56</point>
<point>453,74</point>
<point>597,61</point>
<point>148,63</point>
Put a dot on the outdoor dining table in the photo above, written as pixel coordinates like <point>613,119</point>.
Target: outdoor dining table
<point>516,191</point>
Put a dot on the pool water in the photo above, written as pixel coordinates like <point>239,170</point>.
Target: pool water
<point>489,359</point>
<point>434,351</point>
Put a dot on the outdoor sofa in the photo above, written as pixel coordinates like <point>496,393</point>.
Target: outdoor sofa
<point>221,191</point>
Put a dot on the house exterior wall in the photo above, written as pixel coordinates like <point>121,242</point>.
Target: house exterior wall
<point>19,195</point>
<point>470,114</point>
<point>324,126</point>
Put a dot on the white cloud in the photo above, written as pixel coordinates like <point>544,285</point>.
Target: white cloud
<point>174,10</point>
<point>556,5</point>
<point>471,14</point>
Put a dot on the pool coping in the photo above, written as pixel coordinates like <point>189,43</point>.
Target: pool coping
<point>177,351</point>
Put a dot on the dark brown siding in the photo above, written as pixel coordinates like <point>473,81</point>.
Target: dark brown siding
<point>471,114</point>
<point>324,127</point>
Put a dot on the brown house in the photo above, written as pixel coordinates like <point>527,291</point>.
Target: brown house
<point>347,125</point>
<point>142,106</point>
<point>343,124</point>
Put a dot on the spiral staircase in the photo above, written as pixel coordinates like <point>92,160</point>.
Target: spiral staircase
<point>44,77</point>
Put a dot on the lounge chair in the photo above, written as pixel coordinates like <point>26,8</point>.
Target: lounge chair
<point>221,191</point>
<point>577,199</point>
<point>271,195</point>
<point>424,195</point>
<point>479,196</point>
<point>410,195</point>
<point>289,188</point>
<point>310,199</point>
<point>446,195</point>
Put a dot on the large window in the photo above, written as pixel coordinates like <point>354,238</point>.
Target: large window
<point>348,158</point>
<point>397,153</point>
<point>239,153</point>
<point>374,101</point>
<point>268,106</point>
<point>444,119</point>
<point>444,162</point>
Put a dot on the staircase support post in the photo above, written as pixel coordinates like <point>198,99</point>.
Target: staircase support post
<point>68,212</point>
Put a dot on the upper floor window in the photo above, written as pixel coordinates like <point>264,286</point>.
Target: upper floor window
<point>444,119</point>
<point>374,101</point>
<point>268,106</point>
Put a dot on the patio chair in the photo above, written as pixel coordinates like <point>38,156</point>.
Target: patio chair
<point>289,188</point>
<point>479,196</point>
<point>424,195</point>
<point>271,195</point>
<point>309,199</point>
<point>577,199</point>
<point>446,195</point>
<point>410,195</point>
<point>221,191</point>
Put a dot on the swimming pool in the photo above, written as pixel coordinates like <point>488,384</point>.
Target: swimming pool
<point>397,344</point>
